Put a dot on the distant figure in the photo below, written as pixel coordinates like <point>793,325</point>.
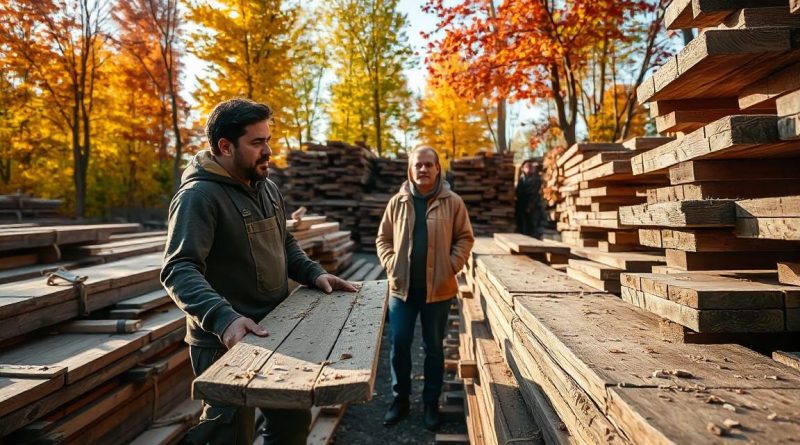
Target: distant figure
<point>423,241</point>
<point>227,260</point>
<point>529,201</point>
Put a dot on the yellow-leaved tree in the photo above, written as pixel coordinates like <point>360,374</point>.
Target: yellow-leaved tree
<point>247,45</point>
<point>451,123</point>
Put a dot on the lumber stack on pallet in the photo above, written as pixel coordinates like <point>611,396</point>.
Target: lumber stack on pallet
<point>486,184</point>
<point>285,370</point>
<point>598,180</point>
<point>388,177</point>
<point>599,367</point>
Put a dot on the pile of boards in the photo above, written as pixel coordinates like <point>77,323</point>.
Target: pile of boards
<point>729,219</point>
<point>595,179</point>
<point>323,241</point>
<point>389,175</point>
<point>329,179</point>
<point>94,345</point>
<point>546,357</point>
<point>486,184</point>
<point>19,207</point>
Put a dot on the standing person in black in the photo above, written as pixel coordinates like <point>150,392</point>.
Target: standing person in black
<point>529,201</point>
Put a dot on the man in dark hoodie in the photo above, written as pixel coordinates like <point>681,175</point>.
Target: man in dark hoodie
<point>423,241</point>
<point>227,259</point>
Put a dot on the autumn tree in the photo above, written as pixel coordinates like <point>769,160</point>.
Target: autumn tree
<point>247,45</point>
<point>61,45</point>
<point>567,52</point>
<point>449,121</point>
<point>371,52</point>
<point>149,33</point>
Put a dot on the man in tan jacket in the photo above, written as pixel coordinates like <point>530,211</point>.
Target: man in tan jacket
<point>424,239</point>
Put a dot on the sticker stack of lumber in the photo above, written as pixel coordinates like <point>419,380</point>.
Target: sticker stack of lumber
<point>597,181</point>
<point>554,253</point>
<point>20,207</point>
<point>486,184</point>
<point>730,213</point>
<point>323,241</point>
<point>90,341</point>
<point>388,177</point>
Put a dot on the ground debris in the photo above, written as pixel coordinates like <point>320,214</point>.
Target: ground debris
<point>716,429</point>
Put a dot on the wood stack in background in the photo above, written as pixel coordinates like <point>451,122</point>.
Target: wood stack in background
<point>730,212</point>
<point>329,179</point>
<point>389,175</point>
<point>597,180</point>
<point>19,207</point>
<point>486,184</point>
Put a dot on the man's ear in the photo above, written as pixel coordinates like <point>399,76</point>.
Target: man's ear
<point>225,147</point>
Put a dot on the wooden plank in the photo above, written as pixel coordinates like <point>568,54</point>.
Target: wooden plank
<point>32,371</point>
<point>664,416</point>
<point>172,431</point>
<point>630,261</point>
<point>719,290</point>
<point>507,412</point>
<point>595,283</point>
<point>376,272</point>
<point>581,416</point>
<point>769,228</point>
<point>764,92</point>
<point>789,273</point>
<point>726,260</point>
<point>100,326</point>
<point>740,320</point>
<point>789,104</point>
<point>734,170</point>
<point>711,213</point>
<point>711,64</point>
<point>284,372</point>
<point>761,18</point>
<point>349,377</point>
<point>146,301</point>
<point>595,270</point>
<point>724,190</point>
<point>709,240</point>
<point>520,243</point>
<point>778,207</point>
<point>788,358</point>
<point>511,274</point>
<point>353,268</point>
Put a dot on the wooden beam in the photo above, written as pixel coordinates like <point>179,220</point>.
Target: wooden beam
<point>789,273</point>
<point>761,18</point>
<point>763,92</point>
<point>727,260</point>
<point>788,358</point>
<point>525,244</point>
<point>712,213</point>
<point>734,170</point>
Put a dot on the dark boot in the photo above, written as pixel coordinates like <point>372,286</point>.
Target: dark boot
<point>432,420</point>
<point>397,412</point>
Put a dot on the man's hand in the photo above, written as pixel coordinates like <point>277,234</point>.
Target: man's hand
<point>239,328</point>
<point>329,283</point>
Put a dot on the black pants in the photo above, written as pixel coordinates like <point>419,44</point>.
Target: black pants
<point>235,425</point>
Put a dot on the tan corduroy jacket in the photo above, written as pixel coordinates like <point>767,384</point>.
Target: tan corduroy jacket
<point>450,241</point>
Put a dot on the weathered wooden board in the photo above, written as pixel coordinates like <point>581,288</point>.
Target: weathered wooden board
<point>711,213</point>
<point>788,358</point>
<point>719,62</point>
<point>629,261</point>
<point>512,274</point>
<point>520,243</point>
<point>30,237</point>
<point>709,240</point>
<point>766,91</point>
<point>662,416</point>
<point>770,218</point>
<point>734,170</point>
<point>727,260</point>
<point>789,273</point>
<point>608,285</point>
<point>282,370</point>
<point>710,320</point>
<point>761,18</point>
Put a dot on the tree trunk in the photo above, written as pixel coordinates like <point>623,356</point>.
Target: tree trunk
<point>176,163</point>
<point>567,128</point>
<point>377,111</point>
<point>502,144</point>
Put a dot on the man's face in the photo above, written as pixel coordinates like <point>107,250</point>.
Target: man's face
<point>252,152</point>
<point>527,168</point>
<point>424,170</point>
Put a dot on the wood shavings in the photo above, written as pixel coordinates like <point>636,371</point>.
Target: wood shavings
<point>616,351</point>
<point>729,407</point>
<point>345,356</point>
<point>716,429</point>
<point>730,423</point>
<point>715,400</point>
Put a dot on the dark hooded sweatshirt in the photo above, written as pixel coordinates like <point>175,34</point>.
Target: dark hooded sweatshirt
<point>228,252</point>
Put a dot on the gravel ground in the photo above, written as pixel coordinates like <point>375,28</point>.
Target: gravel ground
<point>363,424</point>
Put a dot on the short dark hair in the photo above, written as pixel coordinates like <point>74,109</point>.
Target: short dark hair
<point>230,118</point>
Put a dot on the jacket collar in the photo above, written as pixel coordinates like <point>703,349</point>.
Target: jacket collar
<point>444,190</point>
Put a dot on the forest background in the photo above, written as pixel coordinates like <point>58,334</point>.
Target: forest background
<point>103,101</point>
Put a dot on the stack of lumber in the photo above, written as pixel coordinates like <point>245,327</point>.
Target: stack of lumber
<point>597,180</point>
<point>323,241</point>
<point>389,175</point>
<point>21,207</point>
<point>329,179</point>
<point>547,251</point>
<point>730,212</point>
<point>592,369</point>
<point>80,358</point>
<point>486,184</point>
<point>278,176</point>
